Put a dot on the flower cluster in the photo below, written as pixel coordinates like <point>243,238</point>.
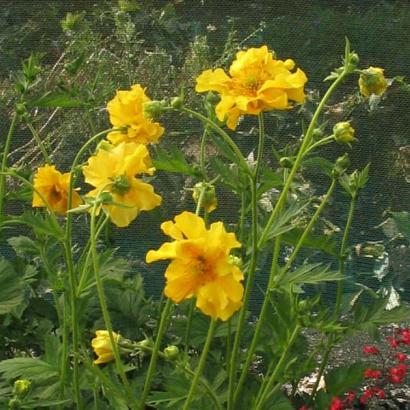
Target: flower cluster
<point>201,265</point>
<point>256,82</point>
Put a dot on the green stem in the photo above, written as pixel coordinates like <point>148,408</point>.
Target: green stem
<point>307,230</point>
<point>259,324</point>
<point>103,304</point>
<point>4,163</point>
<point>342,255</point>
<point>39,143</point>
<point>305,144</point>
<point>252,266</point>
<point>324,141</point>
<point>155,353</point>
<point>263,395</point>
<point>202,154</point>
<point>201,364</point>
<point>222,133</point>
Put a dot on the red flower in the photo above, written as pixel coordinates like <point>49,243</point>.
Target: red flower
<point>377,391</point>
<point>397,373</point>
<point>372,374</point>
<point>350,398</point>
<point>304,408</point>
<point>393,342</point>
<point>371,350</point>
<point>368,394</point>
<point>401,357</point>
<point>336,404</point>
<point>405,336</point>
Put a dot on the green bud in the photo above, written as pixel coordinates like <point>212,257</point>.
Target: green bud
<point>235,260</point>
<point>145,344</point>
<point>343,162</point>
<point>208,199</point>
<point>104,198</point>
<point>317,133</point>
<point>286,162</point>
<point>154,109</point>
<point>21,109</point>
<point>171,352</point>
<point>212,98</point>
<point>354,58</point>
<point>343,132</point>
<point>121,185</point>
<point>14,403</point>
<point>21,387</point>
<point>177,102</point>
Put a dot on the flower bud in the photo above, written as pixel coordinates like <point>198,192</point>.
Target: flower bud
<point>372,81</point>
<point>343,162</point>
<point>213,98</point>
<point>206,192</point>
<point>171,352</point>
<point>102,346</point>
<point>21,387</point>
<point>235,260</point>
<point>354,58</point>
<point>286,162</point>
<point>154,109</point>
<point>317,133</point>
<point>145,344</point>
<point>344,132</point>
<point>177,102</point>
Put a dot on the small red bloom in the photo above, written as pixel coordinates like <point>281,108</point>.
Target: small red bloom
<point>368,394</point>
<point>397,373</point>
<point>401,357</point>
<point>379,392</point>
<point>336,404</point>
<point>371,350</point>
<point>405,336</point>
<point>372,374</point>
<point>350,398</point>
<point>393,342</point>
<point>304,408</point>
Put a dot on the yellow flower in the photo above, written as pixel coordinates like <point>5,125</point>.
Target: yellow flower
<point>127,109</point>
<point>344,132</point>
<point>103,347</point>
<point>372,81</point>
<point>53,187</point>
<point>201,265</point>
<point>256,82</point>
<point>113,169</point>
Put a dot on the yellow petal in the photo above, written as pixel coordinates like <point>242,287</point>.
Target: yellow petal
<point>191,225</point>
<point>212,80</point>
<point>166,251</point>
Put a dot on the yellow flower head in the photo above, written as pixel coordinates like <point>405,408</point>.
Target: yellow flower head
<point>53,186</point>
<point>126,109</point>
<point>201,265</point>
<point>256,82</point>
<point>103,347</point>
<point>113,169</point>
<point>372,81</point>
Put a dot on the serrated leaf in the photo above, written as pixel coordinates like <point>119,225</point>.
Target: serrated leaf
<point>172,161</point>
<point>341,380</point>
<point>34,404</point>
<point>23,245</point>
<point>317,162</point>
<point>312,274</point>
<point>320,242</point>
<point>27,368</point>
<point>11,287</point>
<point>41,224</point>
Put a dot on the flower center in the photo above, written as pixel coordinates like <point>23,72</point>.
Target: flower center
<point>121,185</point>
<point>204,269</point>
<point>55,195</point>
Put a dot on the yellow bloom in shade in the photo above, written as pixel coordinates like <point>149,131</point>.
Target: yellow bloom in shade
<point>372,81</point>
<point>113,169</point>
<point>126,109</point>
<point>201,265</point>
<point>103,347</point>
<point>256,82</point>
<point>53,186</point>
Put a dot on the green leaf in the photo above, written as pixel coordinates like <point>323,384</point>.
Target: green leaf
<point>34,404</point>
<point>11,287</point>
<point>312,274</point>
<point>278,402</point>
<point>23,245</point>
<point>53,99</point>
<point>317,162</point>
<point>172,161</point>
<point>402,220</point>
<point>230,176</point>
<point>283,222</point>
<point>27,368</point>
<point>341,380</point>
<point>320,242</point>
<point>42,224</point>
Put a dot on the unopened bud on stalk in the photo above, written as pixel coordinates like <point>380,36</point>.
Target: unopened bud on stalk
<point>21,387</point>
<point>344,132</point>
<point>286,162</point>
<point>235,260</point>
<point>177,102</point>
<point>154,109</point>
<point>206,193</point>
<point>171,352</point>
<point>372,81</point>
